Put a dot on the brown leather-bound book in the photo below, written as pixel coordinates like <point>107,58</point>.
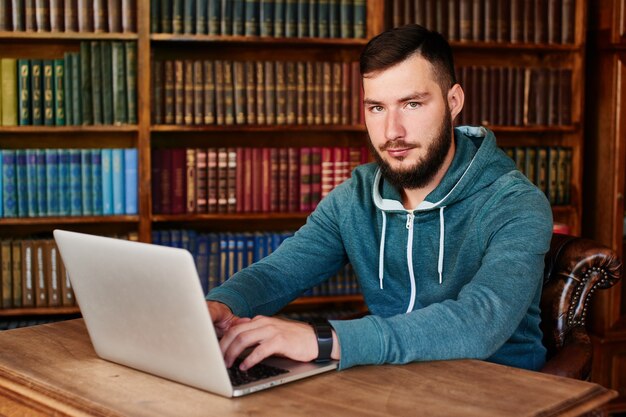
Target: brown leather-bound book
<point>356,104</point>
<point>504,100</point>
<point>231,187</point>
<point>100,23</point>
<point>266,179</point>
<point>518,112</point>
<point>316,176</point>
<point>483,75</point>
<point>179,183</point>
<point>493,77</point>
<point>293,203</point>
<point>85,15</point>
<point>158,99</point>
<point>541,21</point>
<point>301,93</point>
<point>327,171</point>
<point>503,21</point>
<point>292,96</point>
<point>6,23</point>
<point>212,179</point>
<point>565,97</point>
<point>327,93</point>
<point>239,180</point>
<point>510,91</point>
<point>250,87</point>
<point>408,11</point>
<point>28,276</point>
<point>222,180</point>
<point>552,117</point>
<point>257,175</point>
<point>129,16</point>
<point>39,273</point>
<point>517,21</point>
<point>397,13</point>
<point>552,175</point>
<point>247,190</point>
<point>179,92</point>
<point>335,81</point>
<point>283,179</point>
<point>5,273</point>
<point>220,114</point>
<point>56,16</point>
<point>114,16</point>
<point>568,22</point>
<point>169,92</point>
<point>188,84</point>
<point>311,93</point>
<point>270,93</point>
<point>554,21</point>
<point>16,272</point>
<point>491,20</point>
<point>198,93</point>
<point>465,20</point>
<point>52,273</point>
<point>30,21</point>
<point>541,96</point>
<point>322,89</point>
<point>274,205</point>
<point>430,13</point>
<point>562,181</point>
<point>229,93</point>
<point>281,93</point>
<point>305,179</point>
<point>190,180</point>
<point>453,20</point>
<point>240,92</point>
<point>70,15</point>
<point>529,21</point>
<point>477,21</point>
<point>260,93</point>
<point>440,15</point>
<point>209,92</point>
<point>344,72</point>
<point>42,15</point>
<point>166,181</point>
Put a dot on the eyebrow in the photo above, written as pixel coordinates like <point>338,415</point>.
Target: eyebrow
<point>410,97</point>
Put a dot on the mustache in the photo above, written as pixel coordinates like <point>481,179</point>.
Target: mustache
<point>397,144</point>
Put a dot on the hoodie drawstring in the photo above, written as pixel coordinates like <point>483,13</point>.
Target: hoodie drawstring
<point>442,229</point>
<point>381,252</point>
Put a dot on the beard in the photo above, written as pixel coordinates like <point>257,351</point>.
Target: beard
<point>425,169</point>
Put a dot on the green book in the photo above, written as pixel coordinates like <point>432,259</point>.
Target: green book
<point>279,18</point>
<point>119,84</point>
<point>131,81</point>
<point>86,84</point>
<point>177,16</point>
<point>166,16</point>
<point>36,91</point>
<point>9,91</point>
<point>359,16</point>
<point>226,18</point>
<point>201,16</point>
<point>346,19</point>
<point>67,84</point>
<point>214,17</point>
<point>86,181</point>
<point>238,17</point>
<point>291,18</point>
<point>77,105</point>
<point>48,92</point>
<point>96,82</point>
<point>155,16</point>
<point>333,18</point>
<point>302,19</point>
<point>189,10</point>
<point>252,13</point>
<point>23,66</point>
<point>313,29</point>
<point>59,92</point>
<point>107,82</point>
<point>266,20</point>
<point>323,15</point>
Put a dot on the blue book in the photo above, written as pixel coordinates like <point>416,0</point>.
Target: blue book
<point>156,237</point>
<point>202,261</point>
<point>85,178</point>
<point>192,242</point>
<point>76,187</point>
<point>31,183</point>
<point>184,240</point>
<point>22,183</point>
<point>52,181</point>
<point>176,238</point>
<point>9,184</point>
<point>117,159</point>
<point>166,239</point>
<point>260,243</point>
<point>107,182</point>
<point>42,198</point>
<point>130,180</point>
<point>240,248</point>
<point>214,260</point>
<point>96,182</point>
<point>1,182</point>
<point>223,254</point>
<point>64,183</point>
<point>248,257</point>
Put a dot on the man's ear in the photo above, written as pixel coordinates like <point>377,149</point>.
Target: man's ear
<point>456,99</point>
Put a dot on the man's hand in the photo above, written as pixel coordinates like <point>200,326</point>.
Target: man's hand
<point>271,336</point>
<point>222,317</point>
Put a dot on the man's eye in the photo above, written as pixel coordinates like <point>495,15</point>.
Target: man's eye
<point>376,109</point>
<point>413,104</point>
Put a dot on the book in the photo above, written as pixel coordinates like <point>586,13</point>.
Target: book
<point>52,273</point>
<point>96,192</point>
<point>130,72</point>
<point>59,92</point>
<point>86,83</point>
<point>97,86</point>
<point>28,260</point>
<point>86,181</point>
<point>9,183</point>
<point>52,182</point>
<point>23,67</point>
<point>107,82</point>
<point>39,274</point>
<point>6,278</point>
<point>63,181</point>
<point>190,180</point>
<point>9,91</point>
<point>120,98</point>
<point>76,188</point>
<point>17,278</point>
<point>21,182</point>
<point>118,170</point>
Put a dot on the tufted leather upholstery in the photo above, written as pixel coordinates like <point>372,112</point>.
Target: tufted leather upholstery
<point>574,269</point>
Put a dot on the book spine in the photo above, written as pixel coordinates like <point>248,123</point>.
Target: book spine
<point>86,182</point>
<point>226,21</point>
<point>130,181</point>
<point>178,175</point>
<point>292,97</point>
<point>39,274</point>
<point>179,92</point>
<point>158,99</point>
<point>67,84</point>
<point>201,181</point>
<point>48,92</point>
<point>302,18</point>
<point>252,17</point>
<point>209,93</point>
<point>198,94</point>
<point>250,92</point>
<point>335,82</point>
<point>260,93</point>
<point>201,17</point>
<point>177,16</point>
<point>360,13</point>
<point>229,93</point>
<point>24,100</point>
<point>166,181</point>
<point>231,187</point>
<point>52,273</point>
<point>281,93</point>
<point>301,93</point>
<point>21,178</point>
<point>76,188</point>
<point>29,15</point>
<point>70,16</point>
<point>107,82</point>
<point>323,18</point>
<point>86,83</point>
<point>120,115</point>
<point>280,17</point>
<point>169,93</point>
<point>212,180</point>
<point>346,19</point>
<point>9,91</point>
<point>31,181</point>
<point>28,291</point>
<point>17,11</point>
<point>64,183</point>
<point>97,202</point>
<point>238,17</point>
<point>131,81</point>
<point>41,185</point>
<point>156,179</point>
<point>188,94</point>
<point>52,182</point>
<point>97,86</point>
<point>270,93</point>
<point>222,180</point>
<point>266,27</point>
<point>189,9</point>
<point>155,16</point>
<point>265,189</point>
<point>76,98</point>
<point>316,176</point>
<point>113,13</point>
<point>239,93</point>
<point>42,15</point>
<point>118,169</point>
<point>190,180</point>
<point>5,273</point>
<point>16,261</point>
<point>59,92</point>
<point>129,16</point>
<point>305,179</point>
<point>166,16</point>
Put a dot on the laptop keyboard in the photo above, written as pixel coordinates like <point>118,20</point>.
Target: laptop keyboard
<point>256,373</point>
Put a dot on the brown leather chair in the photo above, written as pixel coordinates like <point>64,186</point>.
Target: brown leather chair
<point>574,269</point>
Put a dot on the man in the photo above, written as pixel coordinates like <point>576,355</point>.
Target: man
<point>446,236</point>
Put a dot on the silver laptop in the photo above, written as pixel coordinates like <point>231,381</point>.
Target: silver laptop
<point>144,308</point>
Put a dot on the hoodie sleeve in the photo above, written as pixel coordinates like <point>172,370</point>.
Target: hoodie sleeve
<point>313,254</point>
<point>515,231</point>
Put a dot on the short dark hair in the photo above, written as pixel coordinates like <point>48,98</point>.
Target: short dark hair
<point>396,45</point>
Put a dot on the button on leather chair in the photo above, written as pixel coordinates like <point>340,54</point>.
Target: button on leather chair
<point>575,268</point>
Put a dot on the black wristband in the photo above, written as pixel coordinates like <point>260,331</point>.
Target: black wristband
<point>324,334</point>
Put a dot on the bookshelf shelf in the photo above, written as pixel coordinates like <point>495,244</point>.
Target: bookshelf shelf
<point>258,128</point>
<point>519,47</point>
<point>165,38</point>
<point>38,311</point>
<point>227,217</point>
<point>68,129</point>
<point>29,221</point>
<point>65,36</point>
<point>533,129</point>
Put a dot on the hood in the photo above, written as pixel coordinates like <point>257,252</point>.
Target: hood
<point>473,168</point>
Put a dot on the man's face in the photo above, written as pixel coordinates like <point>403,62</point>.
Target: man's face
<point>408,121</point>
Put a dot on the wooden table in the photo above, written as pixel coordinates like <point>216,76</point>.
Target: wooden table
<point>53,369</point>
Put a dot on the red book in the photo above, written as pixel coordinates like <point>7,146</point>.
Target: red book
<point>179,183</point>
<point>316,176</point>
<point>222,180</point>
<point>338,166</point>
<point>294,179</point>
<point>240,179</point>
<point>305,179</point>
<point>190,180</point>
<point>201,180</point>
<point>328,171</point>
<point>231,178</point>
<point>265,180</point>
<point>257,173</point>
<point>211,180</point>
<point>274,179</point>
<point>283,180</point>
<point>247,180</point>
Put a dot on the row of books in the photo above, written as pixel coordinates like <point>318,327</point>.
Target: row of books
<point>277,18</point>
<point>8,323</point>
<point>549,168</point>
<point>33,274</point>
<point>223,92</point>
<point>96,86</point>
<point>514,21</point>
<point>244,180</point>
<point>516,96</point>
<point>99,16</point>
<point>220,255</point>
<point>68,182</point>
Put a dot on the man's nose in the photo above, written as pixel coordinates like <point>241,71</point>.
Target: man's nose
<point>394,128</point>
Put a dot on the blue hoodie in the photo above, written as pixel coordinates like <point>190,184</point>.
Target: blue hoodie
<point>459,276</point>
